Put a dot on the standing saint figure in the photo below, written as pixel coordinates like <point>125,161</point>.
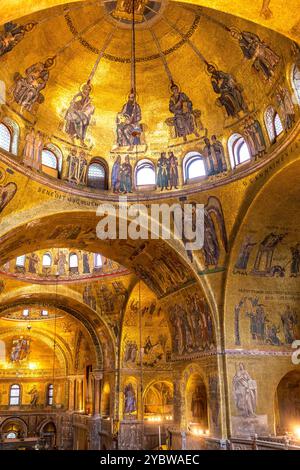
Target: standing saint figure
<point>244,392</point>
<point>128,123</point>
<point>231,92</point>
<point>126,176</point>
<point>162,174</point>
<point>244,254</point>
<point>130,400</point>
<point>264,59</point>
<point>286,107</point>
<point>115,175</point>
<point>173,170</point>
<point>208,153</point>
<point>29,148</point>
<point>198,405</point>
<point>82,169</point>
<point>34,396</point>
<point>37,151</point>
<point>182,108</point>
<point>33,260</point>
<point>79,113</point>
<point>61,261</point>
<point>219,154</point>
<point>73,162</point>
<point>295,261</point>
<point>27,90</point>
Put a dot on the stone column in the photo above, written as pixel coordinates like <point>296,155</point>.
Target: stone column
<point>71,393</point>
<point>97,375</point>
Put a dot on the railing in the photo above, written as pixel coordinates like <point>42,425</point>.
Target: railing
<point>187,441</point>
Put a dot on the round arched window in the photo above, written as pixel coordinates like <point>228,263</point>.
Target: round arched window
<point>193,166</point>
<point>96,176</point>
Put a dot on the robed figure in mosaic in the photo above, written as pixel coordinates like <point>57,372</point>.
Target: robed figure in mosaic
<point>231,92</point>
<point>264,58</point>
<point>12,35</point>
<point>182,108</point>
<point>128,123</point>
<point>79,114</point>
<point>27,90</point>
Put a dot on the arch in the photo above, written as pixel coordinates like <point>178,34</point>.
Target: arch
<point>287,403</point>
<point>14,395</point>
<point>295,80</point>
<point>145,174</point>
<point>5,137</point>
<point>20,261</point>
<point>194,167</point>
<point>47,260</point>
<point>18,423</point>
<point>273,124</point>
<point>14,131</point>
<point>73,307</point>
<point>238,149</point>
<point>98,263</point>
<point>49,159</point>
<point>196,402</point>
<point>158,400</point>
<point>97,175</point>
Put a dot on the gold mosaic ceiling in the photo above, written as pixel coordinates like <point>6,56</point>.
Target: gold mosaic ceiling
<point>168,33</point>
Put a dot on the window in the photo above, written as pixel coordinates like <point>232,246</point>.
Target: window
<point>20,261</point>
<point>11,435</point>
<point>26,313</point>
<point>273,123</point>
<point>238,150</point>
<point>145,173</point>
<point>96,176</point>
<point>5,137</point>
<point>97,260</point>
<point>47,260</point>
<point>14,395</point>
<point>296,81</point>
<point>50,390</point>
<point>44,313</point>
<point>73,260</point>
<point>14,132</point>
<point>49,159</point>
<point>193,166</point>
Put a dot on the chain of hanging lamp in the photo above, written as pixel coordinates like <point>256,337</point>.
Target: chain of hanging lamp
<point>135,133</point>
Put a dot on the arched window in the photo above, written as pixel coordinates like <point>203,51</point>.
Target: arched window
<point>73,260</point>
<point>14,132</point>
<point>296,81</point>
<point>238,150</point>
<point>44,313</point>
<point>97,176</point>
<point>26,312</point>
<point>273,124</point>
<point>47,260</point>
<point>14,395</point>
<point>5,137</point>
<point>193,166</point>
<point>20,261</point>
<point>97,260</point>
<point>49,398</point>
<point>145,173</point>
<point>49,159</point>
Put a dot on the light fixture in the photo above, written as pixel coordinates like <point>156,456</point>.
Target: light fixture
<point>297,432</point>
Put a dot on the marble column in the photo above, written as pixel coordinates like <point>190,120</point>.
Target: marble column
<point>97,376</point>
<point>71,393</point>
